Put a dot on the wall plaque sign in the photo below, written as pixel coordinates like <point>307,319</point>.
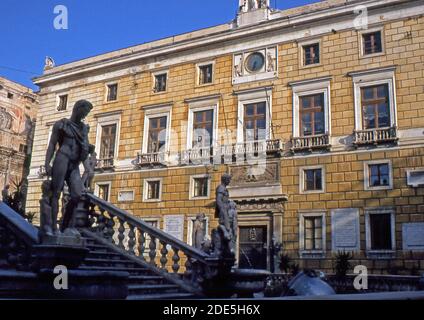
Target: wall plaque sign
<point>174,225</point>
<point>345,231</point>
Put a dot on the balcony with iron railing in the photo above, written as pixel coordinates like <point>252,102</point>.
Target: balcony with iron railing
<point>216,155</point>
<point>105,164</point>
<point>375,136</point>
<point>197,155</point>
<point>272,147</point>
<point>151,159</point>
<point>310,143</point>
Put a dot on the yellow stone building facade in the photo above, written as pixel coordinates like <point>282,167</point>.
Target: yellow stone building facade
<point>315,111</point>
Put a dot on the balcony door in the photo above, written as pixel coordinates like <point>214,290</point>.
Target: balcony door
<point>375,107</point>
<point>107,143</point>
<point>203,123</point>
<point>157,134</point>
<point>255,121</point>
<point>312,119</point>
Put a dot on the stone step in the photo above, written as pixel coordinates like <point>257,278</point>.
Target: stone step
<point>132,271</point>
<point>153,289</point>
<point>161,296</point>
<point>109,263</point>
<point>101,254</point>
<point>98,248</point>
<point>146,279</point>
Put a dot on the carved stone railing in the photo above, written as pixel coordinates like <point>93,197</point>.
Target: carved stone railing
<point>375,136</point>
<point>17,237</point>
<point>105,164</point>
<point>309,143</point>
<point>163,253</point>
<point>151,159</point>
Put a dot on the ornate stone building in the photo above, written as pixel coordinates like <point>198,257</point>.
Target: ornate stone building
<point>315,111</point>
<point>18,110</point>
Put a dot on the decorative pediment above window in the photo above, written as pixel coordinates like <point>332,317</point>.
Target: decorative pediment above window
<point>255,65</point>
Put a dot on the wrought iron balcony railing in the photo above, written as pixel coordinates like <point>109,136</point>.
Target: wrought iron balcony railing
<point>266,147</point>
<point>196,155</point>
<point>309,143</point>
<point>255,147</point>
<point>375,136</point>
<point>105,164</point>
<point>151,159</point>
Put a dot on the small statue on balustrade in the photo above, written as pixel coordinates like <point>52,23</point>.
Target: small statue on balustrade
<point>5,194</point>
<point>89,168</point>
<point>199,231</point>
<point>46,218</point>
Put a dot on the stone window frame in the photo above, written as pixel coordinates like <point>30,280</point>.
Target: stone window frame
<point>107,84</point>
<point>263,94</point>
<point>202,64</point>
<point>156,112</point>
<point>361,33</point>
<point>203,105</point>
<point>191,194</point>
<point>306,88</point>
<point>301,45</point>
<point>302,179</point>
<point>58,96</point>
<point>126,190</point>
<point>370,78</point>
<point>312,254</point>
<point>190,222</point>
<point>367,186</point>
<point>104,120</point>
<point>97,184</point>
<point>145,189</point>
<point>383,254</point>
<point>158,73</point>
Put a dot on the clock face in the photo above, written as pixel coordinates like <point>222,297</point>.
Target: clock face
<point>255,62</point>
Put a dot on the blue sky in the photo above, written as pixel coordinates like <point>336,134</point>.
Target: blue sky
<point>98,26</point>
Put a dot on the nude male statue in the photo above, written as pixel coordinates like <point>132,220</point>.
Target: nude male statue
<point>71,137</point>
<point>222,206</point>
<point>89,166</point>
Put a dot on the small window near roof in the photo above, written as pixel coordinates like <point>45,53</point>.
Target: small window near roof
<point>372,43</point>
<point>10,95</point>
<point>311,54</point>
<point>63,102</point>
<point>160,82</point>
<point>206,74</point>
<point>112,92</point>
